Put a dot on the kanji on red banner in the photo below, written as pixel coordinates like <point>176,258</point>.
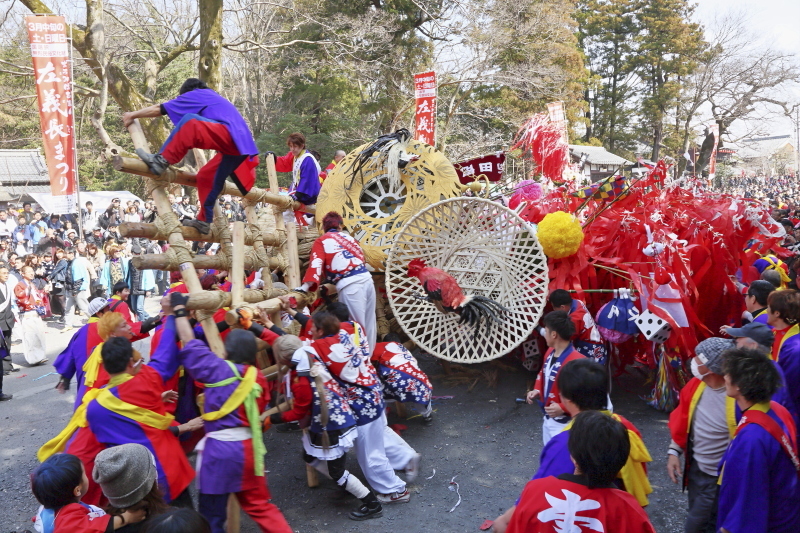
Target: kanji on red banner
<point>51,63</point>
<point>425,115</point>
<point>490,165</point>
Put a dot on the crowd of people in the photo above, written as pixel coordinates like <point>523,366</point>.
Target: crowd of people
<point>131,410</point>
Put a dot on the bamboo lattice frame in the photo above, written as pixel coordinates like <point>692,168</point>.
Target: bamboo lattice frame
<point>489,250</point>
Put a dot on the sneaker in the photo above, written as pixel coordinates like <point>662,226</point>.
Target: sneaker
<point>155,162</point>
<point>395,497</point>
<point>412,468</point>
<point>200,225</point>
<point>5,397</point>
<point>367,511</point>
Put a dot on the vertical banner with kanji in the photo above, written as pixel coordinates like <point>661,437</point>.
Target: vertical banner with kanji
<point>425,115</point>
<point>713,129</point>
<point>52,72</point>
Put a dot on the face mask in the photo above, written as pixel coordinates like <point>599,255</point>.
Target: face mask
<point>696,370</point>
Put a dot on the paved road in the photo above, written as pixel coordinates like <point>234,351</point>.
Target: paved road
<point>482,437</point>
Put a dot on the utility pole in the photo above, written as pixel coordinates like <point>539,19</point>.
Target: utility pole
<point>797,145</point>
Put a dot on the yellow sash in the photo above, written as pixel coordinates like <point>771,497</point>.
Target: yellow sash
<point>237,398</point>
<point>78,420</point>
<point>128,410</point>
<point>632,474</point>
<point>794,330</point>
<point>91,368</point>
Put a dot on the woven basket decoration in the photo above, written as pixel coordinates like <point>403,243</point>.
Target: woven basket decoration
<point>372,210</point>
<point>489,250</point>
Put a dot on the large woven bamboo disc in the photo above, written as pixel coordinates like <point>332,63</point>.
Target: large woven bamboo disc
<point>489,250</point>
<point>373,210</point>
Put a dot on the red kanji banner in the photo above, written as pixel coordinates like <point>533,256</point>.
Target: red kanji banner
<point>491,165</point>
<point>425,116</point>
<point>51,64</point>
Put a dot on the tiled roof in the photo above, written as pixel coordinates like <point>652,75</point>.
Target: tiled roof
<point>763,146</point>
<point>23,168</point>
<point>597,155</point>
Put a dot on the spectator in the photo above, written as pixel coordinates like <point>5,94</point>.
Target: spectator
<point>132,215</point>
<point>7,319</point>
<point>30,303</point>
<point>97,237</point>
<point>185,210</point>
<point>113,231</point>
<point>89,219</point>
<point>20,236</point>
<point>57,278</point>
<point>36,230</point>
<point>77,284</point>
<point>115,268</point>
<point>27,213</point>
<point>55,223</point>
<point>96,257</point>
<point>50,243</point>
<point>112,216</point>
<point>142,284</point>
<point>7,224</point>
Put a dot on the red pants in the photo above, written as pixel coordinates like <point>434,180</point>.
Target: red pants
<point>254,502</point>
<point>195,131</point>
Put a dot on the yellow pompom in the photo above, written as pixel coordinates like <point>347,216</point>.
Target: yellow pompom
<point>560,234</point>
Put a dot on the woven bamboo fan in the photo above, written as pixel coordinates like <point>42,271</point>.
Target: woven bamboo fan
<point>489,250</point>
<point>373,210</point>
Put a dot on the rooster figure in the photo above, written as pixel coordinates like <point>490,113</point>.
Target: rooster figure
<point>443,291</point>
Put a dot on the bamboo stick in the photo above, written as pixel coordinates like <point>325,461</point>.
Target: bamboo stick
<point>187,270</point>
<point>132,165</point>
<point>216,262</point>
<point>152,232</point>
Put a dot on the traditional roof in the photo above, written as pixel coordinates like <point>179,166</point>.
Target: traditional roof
<point>597,155</point>
<point>23,171</point>
<point>763,146</point>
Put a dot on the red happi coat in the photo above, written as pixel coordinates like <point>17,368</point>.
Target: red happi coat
<point>565,503</point>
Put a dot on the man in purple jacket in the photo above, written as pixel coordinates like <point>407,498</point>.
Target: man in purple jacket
<point>204,119</point>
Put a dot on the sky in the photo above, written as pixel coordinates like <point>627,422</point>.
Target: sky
<point>777,20</point>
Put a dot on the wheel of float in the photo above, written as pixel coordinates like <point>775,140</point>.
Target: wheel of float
<point>489,250</point>
<point>373,210</point>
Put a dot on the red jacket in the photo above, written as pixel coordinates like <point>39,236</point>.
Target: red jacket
<point>553,396</point>
<point>28,296</point>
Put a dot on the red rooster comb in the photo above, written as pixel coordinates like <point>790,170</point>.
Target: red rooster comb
<point>415,266</point>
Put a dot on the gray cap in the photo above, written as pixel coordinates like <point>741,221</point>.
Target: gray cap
<point>709,352</point>
<point>761,333</point>
<point>125,473</point>
<point>98,304</point>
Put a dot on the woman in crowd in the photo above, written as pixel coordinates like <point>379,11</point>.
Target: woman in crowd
<point>115,268</point>
<point>96,257</point>
<point>57,278</point>
<point>132,215</point>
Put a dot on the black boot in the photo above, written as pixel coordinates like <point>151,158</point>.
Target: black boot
<point>155,162</point>
<point>200,225</point>
<point>371,508</point>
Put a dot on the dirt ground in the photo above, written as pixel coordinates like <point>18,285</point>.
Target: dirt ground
<point>480,437</point>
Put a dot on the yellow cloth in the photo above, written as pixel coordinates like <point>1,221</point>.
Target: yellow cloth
<point>237,398</point>
<point>91,368</point>
<point>633,474</point>
<point>794,330</point>
<point>78,420</point>
<point>134,412</point>
<point>730,409</point>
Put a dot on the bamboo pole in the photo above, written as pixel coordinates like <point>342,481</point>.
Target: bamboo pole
<point>152,232</point>
<point>178,244</point>
<point>131,165</point>
<point>212,300</point>
<point>216,262</point>
<point>237,266</point>
<point>293,272</point>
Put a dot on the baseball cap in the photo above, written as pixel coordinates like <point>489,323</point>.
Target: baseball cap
<point>761,333</point>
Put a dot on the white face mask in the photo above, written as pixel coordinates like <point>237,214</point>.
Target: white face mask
<point>696,369</point>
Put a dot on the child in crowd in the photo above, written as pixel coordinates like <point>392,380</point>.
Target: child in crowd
<point>58,484</point>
